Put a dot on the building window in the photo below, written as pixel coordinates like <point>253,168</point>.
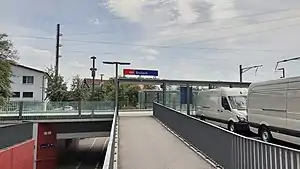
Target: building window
<point>16,95</point>
<point>27,94</point>
<point>28,79</point>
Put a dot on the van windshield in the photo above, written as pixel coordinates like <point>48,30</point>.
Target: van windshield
<point>238,102</point>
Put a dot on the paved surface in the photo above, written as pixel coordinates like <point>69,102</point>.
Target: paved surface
<point>89,154</point>
<point>146,144</point>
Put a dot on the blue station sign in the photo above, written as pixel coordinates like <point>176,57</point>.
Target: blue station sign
<point>140,72</point>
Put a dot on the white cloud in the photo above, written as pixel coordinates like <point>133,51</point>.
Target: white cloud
<point>149,57</point>
<point>152,51</point>
<point>76,64</point>
<point>95,21</point>
<point>129,9</point>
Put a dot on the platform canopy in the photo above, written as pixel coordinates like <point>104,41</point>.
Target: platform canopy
<point>182,82</point>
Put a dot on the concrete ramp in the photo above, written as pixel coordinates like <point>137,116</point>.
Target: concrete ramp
<point>145,144</point>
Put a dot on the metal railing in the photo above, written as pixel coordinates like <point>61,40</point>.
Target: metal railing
<point>110,161</point>
<point>228,149</point>
<point>28,110</point>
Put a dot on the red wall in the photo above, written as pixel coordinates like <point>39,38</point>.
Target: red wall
<point>46,150</point>
<point>19,156</point>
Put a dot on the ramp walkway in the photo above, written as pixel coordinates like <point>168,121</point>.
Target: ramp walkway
<point>144,143</point>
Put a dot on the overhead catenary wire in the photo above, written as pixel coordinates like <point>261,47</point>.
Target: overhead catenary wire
<point>236,35</point>
<point>233,17</point>
<point>157,46</point>
<point>178,46</point>
<point>198,22</point>
<point>227,27</point>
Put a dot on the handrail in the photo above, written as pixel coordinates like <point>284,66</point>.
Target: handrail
<point>110,159</point>
<point>228,149</point>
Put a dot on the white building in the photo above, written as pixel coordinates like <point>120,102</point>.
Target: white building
<point>28,84</point>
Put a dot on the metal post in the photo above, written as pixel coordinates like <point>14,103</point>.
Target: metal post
<point>164,93</point>
<point>117,89</point>
<point>283,72</point>
<point>241,73</point>
<point>79,108</point>
<point>20,109</point>
<point>146,101</point>
<point>58,34</point>
<point>116,81</point>
<point>93,70</point>
<point>188,99</point>
<point>101,79</point>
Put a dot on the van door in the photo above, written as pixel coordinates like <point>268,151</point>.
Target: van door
<point>224,111</point>
<point>293,108</point>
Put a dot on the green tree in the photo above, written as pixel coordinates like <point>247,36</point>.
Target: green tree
<point>7,56</point>
<point>99,94</point>
<point>128,93</point>
<point>57,87</point>
<point>150,87</point>
<point>78,89</point>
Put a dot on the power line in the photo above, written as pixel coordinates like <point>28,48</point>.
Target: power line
<point>92,33</point>
<point>178,57</point>
<point>228,27</point>
<point>228,2</point>
<point>157,46</point>
<point>170,46</point>
<point>236,35</point>
<point>234,17</point>
<point>198,22</point>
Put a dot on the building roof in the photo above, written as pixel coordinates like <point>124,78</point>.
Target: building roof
<point>29,68</point>
<point>89,82</point>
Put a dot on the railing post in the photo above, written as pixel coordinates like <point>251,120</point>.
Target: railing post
<point>164,93</point>
<point>79,108</point>
<point>20,109</point>
<point>188,99</point>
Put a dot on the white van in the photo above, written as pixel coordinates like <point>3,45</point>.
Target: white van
<point>225,107</point>
<point>273,109</point>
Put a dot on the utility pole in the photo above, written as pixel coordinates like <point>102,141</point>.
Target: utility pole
<point>101,80</point>
<point>58,45</point>
<point>245,69</point>
<point>116,81</point>
<point>93,70</point>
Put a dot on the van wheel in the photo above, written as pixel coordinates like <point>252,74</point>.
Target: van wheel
<point>265,134</point>
<point>231,126</point>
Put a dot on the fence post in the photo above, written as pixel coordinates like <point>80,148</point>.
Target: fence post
<point>164,93</point>
<point>188,101</point>
<point>20,109</point>
<point>79,108</point>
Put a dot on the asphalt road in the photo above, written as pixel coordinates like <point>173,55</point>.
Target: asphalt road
<point>89,154</point>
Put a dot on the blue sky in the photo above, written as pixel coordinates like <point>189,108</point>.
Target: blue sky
<point>205,39</point>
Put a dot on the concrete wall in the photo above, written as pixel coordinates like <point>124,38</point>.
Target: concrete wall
<point>38,87</point>
<point>19,156</point>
